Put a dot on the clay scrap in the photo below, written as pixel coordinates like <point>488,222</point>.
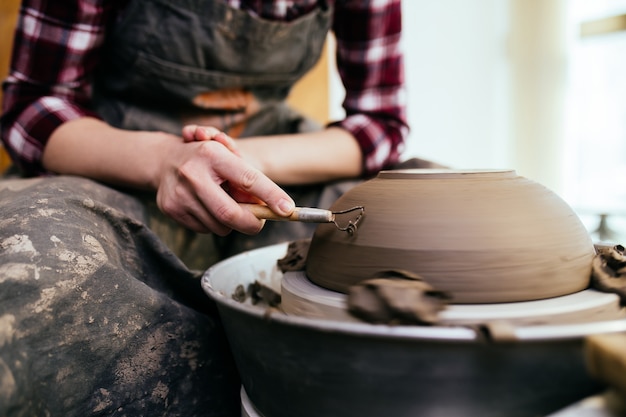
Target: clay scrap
<point>295,258</point>
<point>258,293</point>
<point>608,270</point>
<point>396,297</point>
<point>390,297</point>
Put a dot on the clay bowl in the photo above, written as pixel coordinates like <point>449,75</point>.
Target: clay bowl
<point>485,236</point>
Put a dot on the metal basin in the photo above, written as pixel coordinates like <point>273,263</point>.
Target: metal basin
<point>294,366</point>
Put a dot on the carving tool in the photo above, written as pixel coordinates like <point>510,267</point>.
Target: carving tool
<point>311,215</point>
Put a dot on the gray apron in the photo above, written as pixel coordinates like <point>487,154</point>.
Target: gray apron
<point>101,309</point>
<point>159,63</point>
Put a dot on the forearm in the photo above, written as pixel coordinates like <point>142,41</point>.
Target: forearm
<point>91,148</point>
<point>189,177</point>
<point>304,158</point>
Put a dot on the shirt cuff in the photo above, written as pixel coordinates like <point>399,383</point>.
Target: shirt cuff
<point>28,135</point>
<point>381,142</point>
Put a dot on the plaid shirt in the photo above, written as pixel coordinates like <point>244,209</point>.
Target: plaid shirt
<point>57,48</point>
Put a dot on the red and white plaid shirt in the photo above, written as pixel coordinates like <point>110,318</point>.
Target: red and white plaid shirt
<point>57,47</point>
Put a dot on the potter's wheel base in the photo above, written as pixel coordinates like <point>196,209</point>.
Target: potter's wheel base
<point>247,408</point>
<point>423,370</point>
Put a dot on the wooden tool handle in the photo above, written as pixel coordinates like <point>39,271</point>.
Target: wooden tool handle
<point>300,214</point>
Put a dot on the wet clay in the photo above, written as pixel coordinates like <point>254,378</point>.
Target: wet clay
<point>609,270</point>
<point>390,297</point>
<point>481,236</point>
<point>295,258</point>
<point>396,297</point>
<point>257,293</point>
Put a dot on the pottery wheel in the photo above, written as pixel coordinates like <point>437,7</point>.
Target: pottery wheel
<point>301,297</point>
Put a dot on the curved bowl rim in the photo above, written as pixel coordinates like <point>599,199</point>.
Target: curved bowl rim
<point>439,173</point>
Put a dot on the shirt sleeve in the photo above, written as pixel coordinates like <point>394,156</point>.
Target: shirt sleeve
<point>54,53</point>
<point>370,64</point>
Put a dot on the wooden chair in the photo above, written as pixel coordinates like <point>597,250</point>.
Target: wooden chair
<point>8,17</point>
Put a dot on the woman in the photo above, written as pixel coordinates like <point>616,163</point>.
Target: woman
<point>124,114</point>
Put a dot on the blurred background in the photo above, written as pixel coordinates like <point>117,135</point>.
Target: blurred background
<point>538,86</point>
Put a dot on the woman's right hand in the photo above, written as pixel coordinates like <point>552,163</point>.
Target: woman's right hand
<point>202,182</point>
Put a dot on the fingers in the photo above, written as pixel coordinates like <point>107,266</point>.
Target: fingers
<point>240,176</point>
<point>193,133</point>
<point>253,182</point>
<point>176,199</point>
<point>192,194</point>
<point>243,196</point>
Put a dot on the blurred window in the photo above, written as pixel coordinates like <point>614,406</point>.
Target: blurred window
<point>595,126</point>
